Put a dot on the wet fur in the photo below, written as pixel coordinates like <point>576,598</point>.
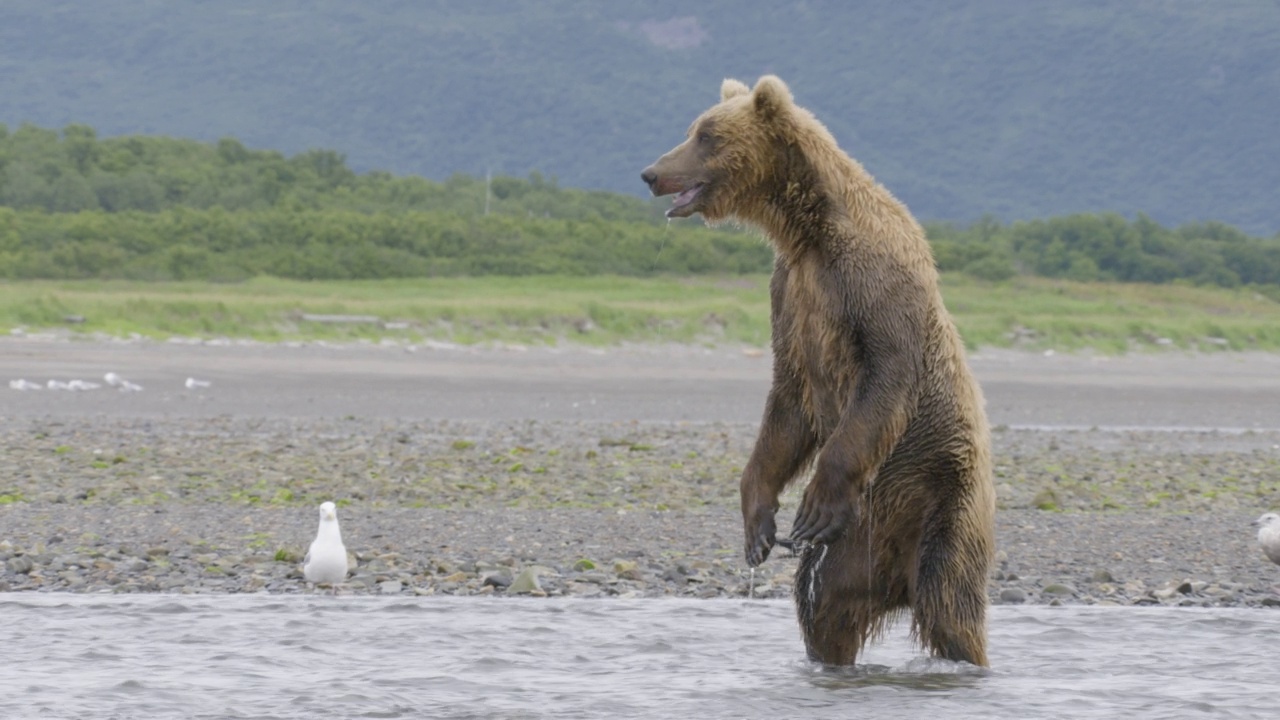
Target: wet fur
<point>871,389</point>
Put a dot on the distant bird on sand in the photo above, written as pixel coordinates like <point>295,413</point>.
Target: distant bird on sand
<point>116,381</point>
<point>1269,536</point>
<point>326,561</point>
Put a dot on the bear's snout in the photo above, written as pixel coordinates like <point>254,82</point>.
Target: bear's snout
<point>649,176</point>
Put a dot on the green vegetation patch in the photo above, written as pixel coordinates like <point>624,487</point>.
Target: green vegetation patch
<point>1025,312</point>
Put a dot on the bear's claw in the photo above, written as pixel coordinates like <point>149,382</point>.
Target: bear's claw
<point>823,524</point>
<point>758,552</point>
<point>761,532</point>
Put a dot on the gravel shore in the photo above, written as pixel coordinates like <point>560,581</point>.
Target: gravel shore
<point>609,509</point>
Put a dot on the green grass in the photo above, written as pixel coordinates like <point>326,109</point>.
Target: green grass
<point>1110,317</point>
<point>1024,312</point>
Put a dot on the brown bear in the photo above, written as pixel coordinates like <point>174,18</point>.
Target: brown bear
<point>871,389</point>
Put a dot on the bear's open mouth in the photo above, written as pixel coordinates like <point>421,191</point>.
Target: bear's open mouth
<point>684,200</point>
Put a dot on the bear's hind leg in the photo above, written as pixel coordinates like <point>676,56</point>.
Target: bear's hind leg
<point>838,608</point>
<point>950,604</point>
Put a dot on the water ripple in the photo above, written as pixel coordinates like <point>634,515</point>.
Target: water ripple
<point>263,657</point>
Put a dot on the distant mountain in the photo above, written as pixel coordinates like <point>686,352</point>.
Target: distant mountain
<point>1003,107</point>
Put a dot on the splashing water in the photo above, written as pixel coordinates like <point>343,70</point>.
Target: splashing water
<point>813,575</point>
<point>810,563</point>
<point>751,585</point>
<point>665,232</point>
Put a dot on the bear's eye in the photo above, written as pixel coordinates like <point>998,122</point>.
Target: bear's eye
<point>704,138</point>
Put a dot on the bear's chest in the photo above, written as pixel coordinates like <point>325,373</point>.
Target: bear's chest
<point>818,342</point>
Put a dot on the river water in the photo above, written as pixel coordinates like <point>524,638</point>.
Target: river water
<point>260,656</point>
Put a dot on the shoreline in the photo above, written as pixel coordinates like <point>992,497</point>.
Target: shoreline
<point>434,507</point>
<point>1127,480</point>
<point>1043,558</point>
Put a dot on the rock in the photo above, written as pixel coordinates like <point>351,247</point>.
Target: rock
<point>1058,589</point>
<point>457,577</point>
<point>1013,595</point>
<point>498,579</point>
<point>1103,575</point>
<point>390,587</point>
<point>1218,592</point>
<point>20,565</point>
<point>627,570</point>
<point>525,583</point>
<point>1187,587</point>
<point>584,565</point>
<point>1135,587</point>
<point>582,589</point>
<point>1164,593</point>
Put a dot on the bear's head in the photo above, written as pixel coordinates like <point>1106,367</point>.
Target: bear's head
<point>730,152</point>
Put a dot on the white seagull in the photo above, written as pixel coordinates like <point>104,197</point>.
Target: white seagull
<point>1269,535</point>
<point>116,381</point>
<point>326,561</point>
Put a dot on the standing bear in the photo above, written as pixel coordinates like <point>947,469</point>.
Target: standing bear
<point>871,389</point>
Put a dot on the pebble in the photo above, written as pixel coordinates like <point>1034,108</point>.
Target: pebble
<point>525,583</point>
<point>1058,589</point>
<point>1013,595</point>
<point>497,579</point>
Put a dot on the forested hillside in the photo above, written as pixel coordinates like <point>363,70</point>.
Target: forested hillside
<point>73,205</point>
<point>988,107</point>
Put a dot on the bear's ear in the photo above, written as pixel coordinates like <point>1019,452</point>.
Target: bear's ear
<point>731,88</point>
<point>771,96</point>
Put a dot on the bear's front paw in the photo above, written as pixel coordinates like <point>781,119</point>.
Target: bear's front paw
<point>822,517</point>
<point>761,534</point>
